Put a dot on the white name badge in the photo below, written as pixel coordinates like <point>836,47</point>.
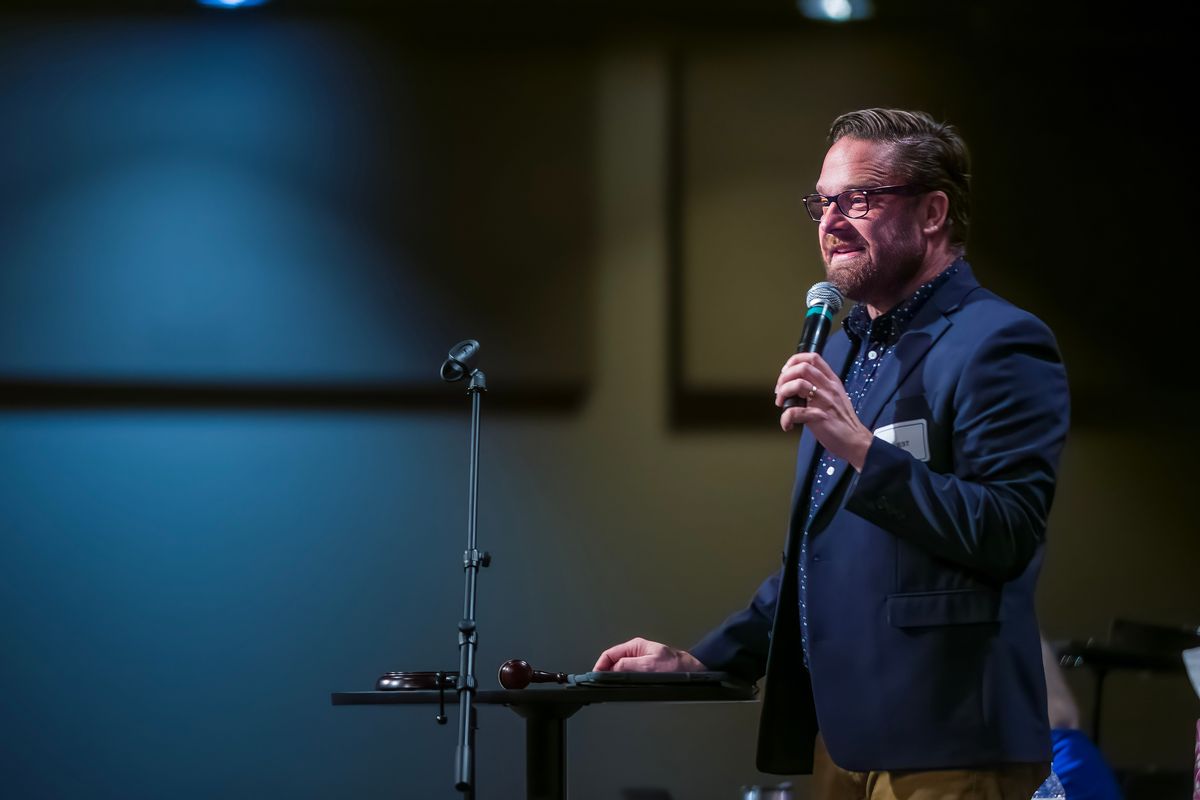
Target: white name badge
<point>911,437</point>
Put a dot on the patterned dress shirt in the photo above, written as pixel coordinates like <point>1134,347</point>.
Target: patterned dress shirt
<point>875,340</point>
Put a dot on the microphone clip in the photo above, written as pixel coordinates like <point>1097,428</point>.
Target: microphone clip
<point>460,363</point>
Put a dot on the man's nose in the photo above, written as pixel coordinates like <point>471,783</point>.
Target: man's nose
<point>833,219</point>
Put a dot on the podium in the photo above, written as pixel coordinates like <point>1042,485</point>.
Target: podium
<point>546,710</point>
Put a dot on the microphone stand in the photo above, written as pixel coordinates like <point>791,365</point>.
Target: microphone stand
<point>460,364</point>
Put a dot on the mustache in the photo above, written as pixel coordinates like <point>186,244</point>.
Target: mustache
<point>830,241</point>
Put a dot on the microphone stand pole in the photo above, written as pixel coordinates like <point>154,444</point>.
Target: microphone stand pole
<point>473,561</point>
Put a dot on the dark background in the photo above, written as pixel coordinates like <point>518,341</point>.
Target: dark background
<point>235,246</point>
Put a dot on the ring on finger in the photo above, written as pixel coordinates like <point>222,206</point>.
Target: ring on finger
<point>812,391</point>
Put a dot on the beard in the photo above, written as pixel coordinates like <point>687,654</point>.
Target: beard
<point>866,279</point>
<point>851,274</point>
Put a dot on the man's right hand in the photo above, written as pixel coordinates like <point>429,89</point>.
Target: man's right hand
<point>642,655</point>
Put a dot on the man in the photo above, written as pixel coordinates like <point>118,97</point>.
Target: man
<point>902,623</point>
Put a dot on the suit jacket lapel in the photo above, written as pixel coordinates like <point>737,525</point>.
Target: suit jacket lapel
<point>914,343</point>
<point>839,355</point>
<point>926,328</point>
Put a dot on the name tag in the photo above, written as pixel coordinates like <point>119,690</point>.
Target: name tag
<point>911,437</point>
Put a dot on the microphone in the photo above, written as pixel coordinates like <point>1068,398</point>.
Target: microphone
<point>460,361</point>
<point>824,302</point>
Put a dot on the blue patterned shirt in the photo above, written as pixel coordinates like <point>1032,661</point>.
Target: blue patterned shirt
<point>876,340</point>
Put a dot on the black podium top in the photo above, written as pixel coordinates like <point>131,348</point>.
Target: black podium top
<point>555,695</point>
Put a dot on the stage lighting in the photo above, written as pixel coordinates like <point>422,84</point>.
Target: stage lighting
<point>836,10</point>
<point>231,3</point>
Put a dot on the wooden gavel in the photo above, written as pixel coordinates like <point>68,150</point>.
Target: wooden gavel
<point>517,674</point>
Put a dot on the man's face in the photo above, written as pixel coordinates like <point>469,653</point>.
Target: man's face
<point>871,259</point>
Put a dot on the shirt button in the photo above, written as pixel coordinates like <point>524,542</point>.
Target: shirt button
<point>872,355</point>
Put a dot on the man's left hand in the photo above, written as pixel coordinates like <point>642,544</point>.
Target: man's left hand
<point>828,413</point>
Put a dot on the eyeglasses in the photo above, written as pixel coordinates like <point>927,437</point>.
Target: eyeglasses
<point>853,203</point>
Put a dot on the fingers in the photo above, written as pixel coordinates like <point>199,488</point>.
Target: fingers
<point>638,664</point>
<point>668,659</point>
<point>606,660</point>
<point>632,648</point>
<point>793,374</point>
<point>802,388</point>
<point>808,377</point>
<point>815,361</point>
<point>805,358</point>
<point>802,380</point>
<point>823,368</point>
<point>797,358</point>
<point>642,655</point>
<point>614,654</point>
<point>815,369</point>
<point>801,415</point>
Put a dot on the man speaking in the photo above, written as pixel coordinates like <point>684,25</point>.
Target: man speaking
<point>899,640</point>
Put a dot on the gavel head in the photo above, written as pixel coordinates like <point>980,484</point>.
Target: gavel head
<point>515,674</point>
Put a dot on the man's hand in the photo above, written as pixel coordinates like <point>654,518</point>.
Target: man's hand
<point>828,413</point>
<point>642,655</point>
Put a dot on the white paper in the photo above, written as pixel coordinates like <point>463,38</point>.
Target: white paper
<point>1191,660</point>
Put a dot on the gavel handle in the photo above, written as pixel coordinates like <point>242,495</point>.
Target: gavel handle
<point>549,677</point>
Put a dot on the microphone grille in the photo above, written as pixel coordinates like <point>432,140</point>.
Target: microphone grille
<point>825,292</point>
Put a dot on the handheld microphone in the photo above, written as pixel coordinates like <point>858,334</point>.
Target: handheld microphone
<point>824,302</point>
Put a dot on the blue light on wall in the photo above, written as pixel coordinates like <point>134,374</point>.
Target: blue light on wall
<point>193,201</point>
<point>207,224</point>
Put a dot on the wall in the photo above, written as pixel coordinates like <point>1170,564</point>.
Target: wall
<point>184,586</point>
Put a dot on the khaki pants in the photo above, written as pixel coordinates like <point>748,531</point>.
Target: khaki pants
<point>1003,782</point>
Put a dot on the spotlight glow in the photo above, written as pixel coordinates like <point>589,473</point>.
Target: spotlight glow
<point>835,10</point>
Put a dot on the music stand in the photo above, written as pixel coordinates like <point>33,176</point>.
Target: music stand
<point>1131,645</point>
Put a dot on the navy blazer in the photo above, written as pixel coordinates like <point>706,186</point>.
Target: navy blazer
<point>923,642</point>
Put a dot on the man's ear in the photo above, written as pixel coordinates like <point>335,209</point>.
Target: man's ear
<point>935,208</point>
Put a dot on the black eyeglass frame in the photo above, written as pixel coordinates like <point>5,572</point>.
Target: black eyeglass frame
<point>826,200</point>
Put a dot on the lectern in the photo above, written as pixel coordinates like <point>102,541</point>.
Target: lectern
<point>546,709</point>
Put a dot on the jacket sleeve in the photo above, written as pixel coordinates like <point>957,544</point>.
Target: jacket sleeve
<point>1010,413</point>
<point>739,645</point>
